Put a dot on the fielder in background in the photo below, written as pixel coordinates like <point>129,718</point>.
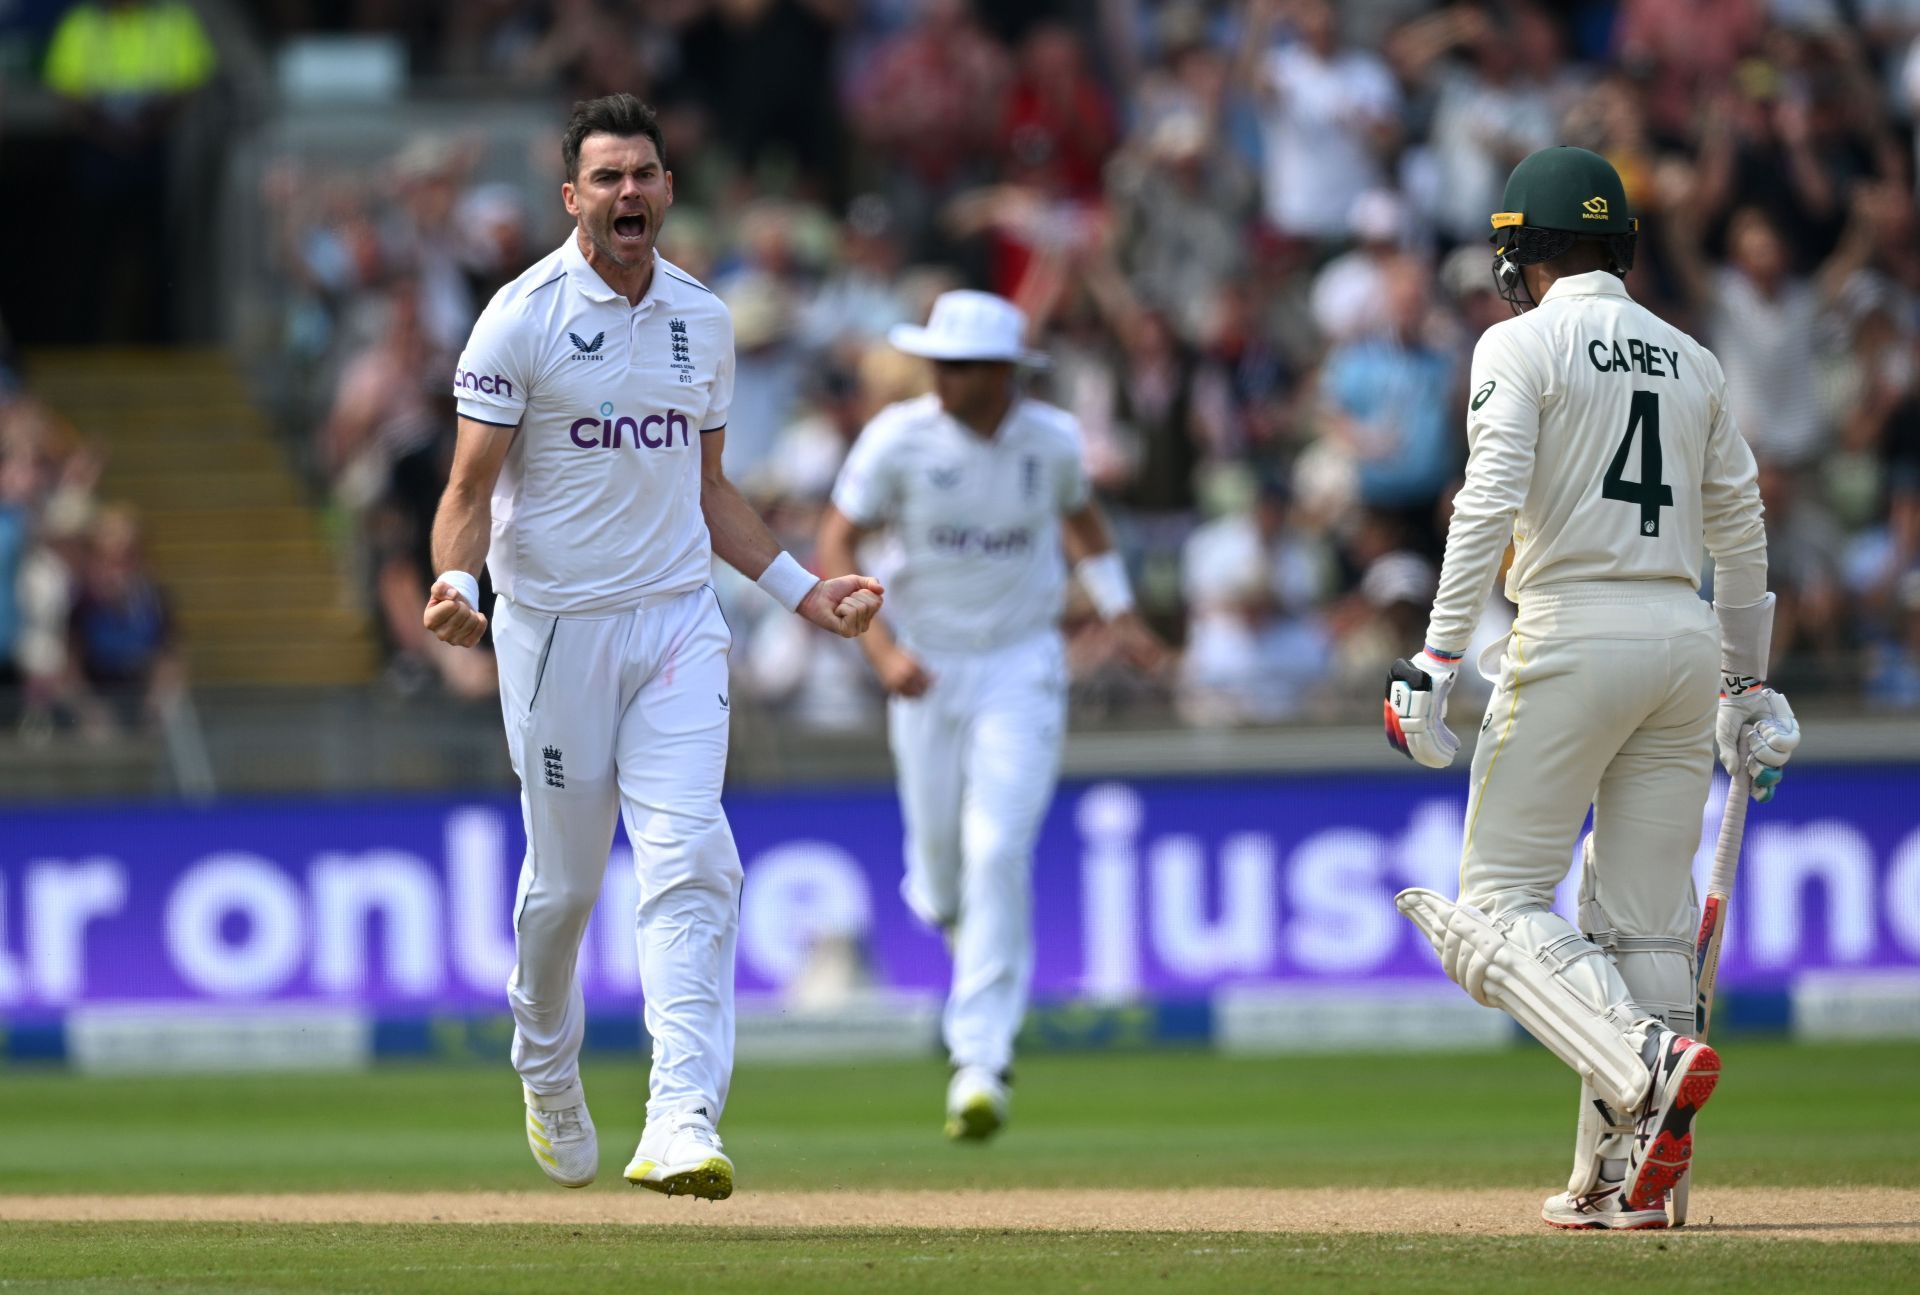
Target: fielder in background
<point>1601,443</point>
<point>984,489</point>
<point>593,401</point>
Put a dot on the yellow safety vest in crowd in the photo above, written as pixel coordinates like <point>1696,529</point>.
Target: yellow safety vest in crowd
<point>138,49</point>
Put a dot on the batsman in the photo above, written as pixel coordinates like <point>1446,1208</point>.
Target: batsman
<point>1602,446</point>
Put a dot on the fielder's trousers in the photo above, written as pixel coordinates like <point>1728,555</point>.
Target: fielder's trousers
<point>624,714</point>
<point>977,757</point>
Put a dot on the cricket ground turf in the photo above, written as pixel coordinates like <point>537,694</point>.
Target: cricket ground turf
<point>1121,1171</point>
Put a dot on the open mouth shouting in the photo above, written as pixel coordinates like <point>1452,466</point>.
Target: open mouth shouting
<point>630,229</point>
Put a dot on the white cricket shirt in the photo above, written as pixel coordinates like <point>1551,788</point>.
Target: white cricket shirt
<point>1600,440</point>
<point>977,519</point>
<point>598,502</point>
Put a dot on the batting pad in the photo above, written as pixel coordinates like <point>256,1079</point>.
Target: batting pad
<point>1602,1134</point>
<point>1497,973</point>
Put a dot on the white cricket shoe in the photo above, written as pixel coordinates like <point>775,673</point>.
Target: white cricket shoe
<point>977,1102</point>
<point>1602,1207</point>
<point>560,1132</point>
<point>679,1155</point>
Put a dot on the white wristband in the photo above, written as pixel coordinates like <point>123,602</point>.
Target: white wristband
<point>786,581</point>
<point>1104,577</point>
<point>464,584</point>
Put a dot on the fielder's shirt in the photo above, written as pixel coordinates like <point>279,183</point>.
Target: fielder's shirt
<point>1601,442</point>
<point>598,501</point>
<point>977,519</point>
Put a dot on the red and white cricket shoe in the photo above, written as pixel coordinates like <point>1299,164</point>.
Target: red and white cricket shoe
<point>1684,1075</point>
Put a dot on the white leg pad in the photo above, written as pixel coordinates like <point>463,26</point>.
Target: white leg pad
<point>1532,989</point>
<point>1603,1134</point>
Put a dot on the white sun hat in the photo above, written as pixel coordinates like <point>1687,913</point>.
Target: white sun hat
<point>967,325</point>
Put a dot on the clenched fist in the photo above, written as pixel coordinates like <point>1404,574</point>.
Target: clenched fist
<point>844,605</point>
<point>451,618</point>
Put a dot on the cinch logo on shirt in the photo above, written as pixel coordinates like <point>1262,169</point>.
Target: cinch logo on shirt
<point>978,541</point>
<point>611,432</point>
<point>491,384</point>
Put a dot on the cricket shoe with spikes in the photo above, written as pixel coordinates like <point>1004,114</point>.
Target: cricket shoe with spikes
<point>680,1155</point>
<point>1684,1075</point>
<point>560,1133</point>
<point>977,1102</point>
<point>1600,1208</point>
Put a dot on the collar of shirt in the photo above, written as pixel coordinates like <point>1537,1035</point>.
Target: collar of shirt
<point>588,280</point>
<point>1594,283</point>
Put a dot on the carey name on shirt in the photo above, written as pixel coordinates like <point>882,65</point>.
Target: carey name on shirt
<point>1637,357</point>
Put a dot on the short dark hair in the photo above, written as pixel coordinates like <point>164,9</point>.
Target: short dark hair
<point>615,114</point>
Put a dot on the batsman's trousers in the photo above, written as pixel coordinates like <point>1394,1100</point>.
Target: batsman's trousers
<point>1605,697</point>
<point>977,757</point>
<point>624,714</point>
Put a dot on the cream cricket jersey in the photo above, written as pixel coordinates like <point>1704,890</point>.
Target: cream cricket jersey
<point>977,519</point>
<point>1599,441</point>
<point>598,502</point>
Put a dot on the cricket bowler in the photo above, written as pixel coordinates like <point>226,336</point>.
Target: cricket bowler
<point>593,399</point>
<point>1601,445</point>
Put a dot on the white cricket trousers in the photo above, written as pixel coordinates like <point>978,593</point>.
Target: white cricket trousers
<point>977,757</point>
<point>624,714</point>
<point>1606,697</point>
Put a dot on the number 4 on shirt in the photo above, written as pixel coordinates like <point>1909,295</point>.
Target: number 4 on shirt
<point>1649,491</point>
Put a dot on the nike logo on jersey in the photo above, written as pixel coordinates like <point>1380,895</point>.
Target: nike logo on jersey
<point>1639,356</point>
<point>723,701</point>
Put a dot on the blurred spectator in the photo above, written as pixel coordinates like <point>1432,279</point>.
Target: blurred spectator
<point>861,297</point>
<point>929,104</point>
<point>1348,289</point>
<point>1059,125</point>
<point>1180,206</point>
<point>763,70</point>
<point>415,239</point>
<point>1254,582</point>
<point>388,406</point>
<point>124,67</point>
<point>1761,318</point>
<point>17,481</point>
<point>1681,49</point>
<point>1331,113</point>
<point>1387,409</point>
<point>125,667</point>
<point>1492,104</point>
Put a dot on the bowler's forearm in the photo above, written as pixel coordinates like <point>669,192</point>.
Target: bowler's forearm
<point>460,530</point>
<point>740,538</point>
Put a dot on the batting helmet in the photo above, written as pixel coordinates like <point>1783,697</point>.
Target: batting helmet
<point>1554,199</point>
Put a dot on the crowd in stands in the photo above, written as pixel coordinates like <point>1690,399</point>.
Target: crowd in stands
<point>1252,236</point>
<point>86,640</point>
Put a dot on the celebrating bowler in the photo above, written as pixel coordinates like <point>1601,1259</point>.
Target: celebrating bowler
<point>593,401</point>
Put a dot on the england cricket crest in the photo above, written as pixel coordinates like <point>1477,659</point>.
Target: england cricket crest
<point>1030,478</point>
<point>681,354</point>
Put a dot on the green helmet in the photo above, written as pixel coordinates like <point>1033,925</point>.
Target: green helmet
<point>1555,198</point>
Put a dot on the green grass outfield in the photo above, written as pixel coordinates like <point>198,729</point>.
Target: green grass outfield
<point>1784,1116</point>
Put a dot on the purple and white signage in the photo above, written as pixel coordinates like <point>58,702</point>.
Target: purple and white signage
<point>1146,888</point>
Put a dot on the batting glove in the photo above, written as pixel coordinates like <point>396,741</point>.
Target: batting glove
<point>1416,708</point>
<point>1751,710</point>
